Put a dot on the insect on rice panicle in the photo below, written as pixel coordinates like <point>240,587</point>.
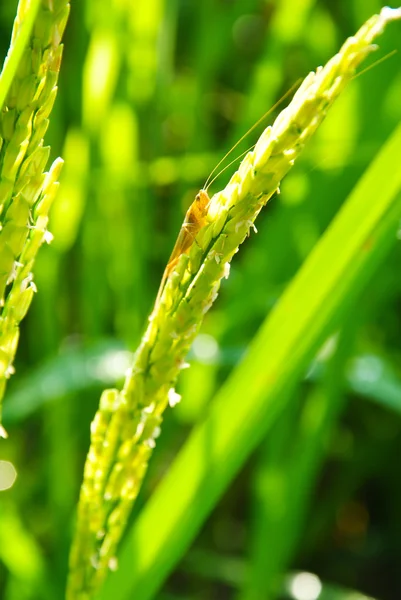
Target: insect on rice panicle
<point>195,219</point>
<point>196,215</point>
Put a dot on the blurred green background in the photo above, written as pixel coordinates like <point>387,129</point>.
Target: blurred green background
<point>152,94</point>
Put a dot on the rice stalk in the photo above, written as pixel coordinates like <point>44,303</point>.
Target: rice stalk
<point>26,191</point>
<point>127,423</point>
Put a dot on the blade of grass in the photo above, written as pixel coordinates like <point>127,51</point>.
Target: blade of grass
<point>21,554</point>
<point>286,475</point>
<point>258,389</point>
<point>75,370</point>
<point>125,426</point>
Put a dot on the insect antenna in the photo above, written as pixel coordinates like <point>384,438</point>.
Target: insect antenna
<point>374,64</point>
<point>227,166</point>
<point>209,180</point>
<point>212,179</point>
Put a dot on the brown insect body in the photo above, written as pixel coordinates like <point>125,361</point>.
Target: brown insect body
<point>195,219</point>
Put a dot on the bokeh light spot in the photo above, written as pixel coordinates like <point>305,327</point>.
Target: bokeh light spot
<point>305,586</point>
<point>8,475</point>
<point>205,348</point>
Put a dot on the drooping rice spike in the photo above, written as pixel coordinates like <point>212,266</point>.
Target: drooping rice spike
<point>26,191</point>
<point>128,421</point>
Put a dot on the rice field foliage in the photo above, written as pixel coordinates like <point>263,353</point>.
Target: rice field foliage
<point>276,470</point>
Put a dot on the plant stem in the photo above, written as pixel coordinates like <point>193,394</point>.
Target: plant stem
<point>127,423</point>
<point>26,192</point>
